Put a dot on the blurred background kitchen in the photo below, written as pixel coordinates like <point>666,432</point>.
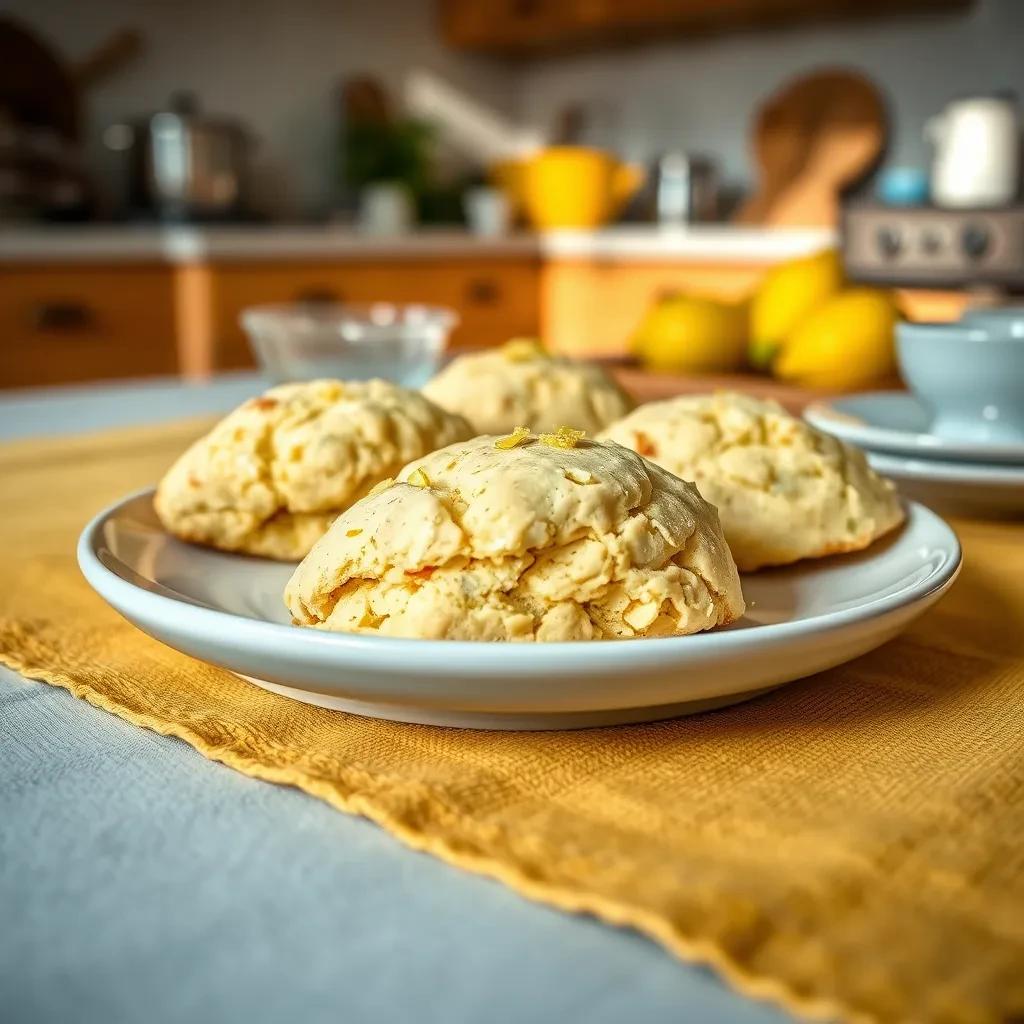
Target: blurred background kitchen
<point>681,187</point>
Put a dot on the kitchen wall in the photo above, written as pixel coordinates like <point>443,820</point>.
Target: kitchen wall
<point>276,64</point>
<point>701,95</point>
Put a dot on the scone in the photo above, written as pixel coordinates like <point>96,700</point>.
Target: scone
<point>272,475</point>
<point>784,490</point>
<point>522,538</point>
<point>521,384</point>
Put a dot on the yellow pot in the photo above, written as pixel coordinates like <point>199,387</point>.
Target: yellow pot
<point>573,187</point>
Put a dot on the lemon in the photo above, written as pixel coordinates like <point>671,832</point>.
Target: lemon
<point>692,334</point>
<point>845,343</point>
<point>786,295</point>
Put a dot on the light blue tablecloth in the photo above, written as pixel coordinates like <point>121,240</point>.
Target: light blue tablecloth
<point>140,882</point>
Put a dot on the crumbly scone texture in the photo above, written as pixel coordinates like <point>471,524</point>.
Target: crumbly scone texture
<point>531,542</point>
<point>272,475</point>
<point>521,384</point>
<point>784,490</point>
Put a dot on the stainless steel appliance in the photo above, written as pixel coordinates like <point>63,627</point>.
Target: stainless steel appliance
<point>185,165</point>
<point>929,247</point>
<point>680,188</point>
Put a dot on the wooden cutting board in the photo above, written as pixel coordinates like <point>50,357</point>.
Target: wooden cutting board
<point>816,137</point>
<point>644,386</point>
<point>653,387</point>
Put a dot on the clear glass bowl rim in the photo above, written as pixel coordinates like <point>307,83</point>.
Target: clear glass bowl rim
<point>319,316</point>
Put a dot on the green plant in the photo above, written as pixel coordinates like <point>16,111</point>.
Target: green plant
<point>397,151</point>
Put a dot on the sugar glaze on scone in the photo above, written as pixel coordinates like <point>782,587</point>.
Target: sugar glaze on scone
<point>784,490</point>
<point>520,383</point>
<point>527,542</point>
<point>272,475</point>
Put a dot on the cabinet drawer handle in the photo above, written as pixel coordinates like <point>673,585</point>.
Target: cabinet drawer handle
<point>483,291</point>
<point>61,315</point>
<point>317,295</point>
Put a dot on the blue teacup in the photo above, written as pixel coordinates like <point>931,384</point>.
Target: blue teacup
<point>1000,321</point>
<point>970,374</point>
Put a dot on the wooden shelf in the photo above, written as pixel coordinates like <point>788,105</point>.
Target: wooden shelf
<point>526,28</point>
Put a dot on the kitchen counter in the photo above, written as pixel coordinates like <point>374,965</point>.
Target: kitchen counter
<point>706,243</point>
<point>187,245</point>
<point>94,302</point>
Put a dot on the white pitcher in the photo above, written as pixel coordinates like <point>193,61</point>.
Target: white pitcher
<point>977,152</point>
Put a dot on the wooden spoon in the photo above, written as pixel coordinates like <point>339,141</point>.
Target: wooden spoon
<point>818,136</point>
<point>781,143</point>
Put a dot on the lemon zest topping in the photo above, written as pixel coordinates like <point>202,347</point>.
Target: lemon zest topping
<point>563,437</point>
<point>517,437</point>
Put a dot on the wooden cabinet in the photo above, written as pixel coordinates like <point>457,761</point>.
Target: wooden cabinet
<point>510,26</point>
<point>76,323</point>
<point>64,324</point>
<point>81,322</point>
<point>593,307</point>
<point>496,298</point>
<point>528,27</point>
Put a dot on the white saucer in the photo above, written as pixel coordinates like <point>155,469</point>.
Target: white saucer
<point>897,422</point>
<point>965,488</point>
<point>227,609</point>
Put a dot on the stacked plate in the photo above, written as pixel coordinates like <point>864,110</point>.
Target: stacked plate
<point>960,476</point>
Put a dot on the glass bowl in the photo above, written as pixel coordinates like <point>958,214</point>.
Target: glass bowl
<point>402,343</point>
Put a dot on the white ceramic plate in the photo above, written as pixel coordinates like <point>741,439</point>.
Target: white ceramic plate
<point>897,423</point>
<point>965,488</point>
<point>227,609</point>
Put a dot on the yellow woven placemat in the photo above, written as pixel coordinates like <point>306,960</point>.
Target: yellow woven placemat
<point>851,846</point>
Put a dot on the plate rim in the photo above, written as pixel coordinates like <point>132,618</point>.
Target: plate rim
<point>826,414</point>
<point>379,653</point>
<point>946,471</point>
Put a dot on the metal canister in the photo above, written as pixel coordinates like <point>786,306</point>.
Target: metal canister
<point>683,189</point>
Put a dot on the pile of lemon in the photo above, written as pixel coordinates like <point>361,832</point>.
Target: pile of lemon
<point>803,324</point>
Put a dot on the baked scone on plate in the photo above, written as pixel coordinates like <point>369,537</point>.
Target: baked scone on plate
<point>784,490</point>
<point>527,537</point>
<point>520,383</point>
<point>271,476</point>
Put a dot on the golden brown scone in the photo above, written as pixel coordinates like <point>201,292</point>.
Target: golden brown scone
<point>784,490</point>
<point>272,475</point>
<point>528,542</point>
<point>520,383</point>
